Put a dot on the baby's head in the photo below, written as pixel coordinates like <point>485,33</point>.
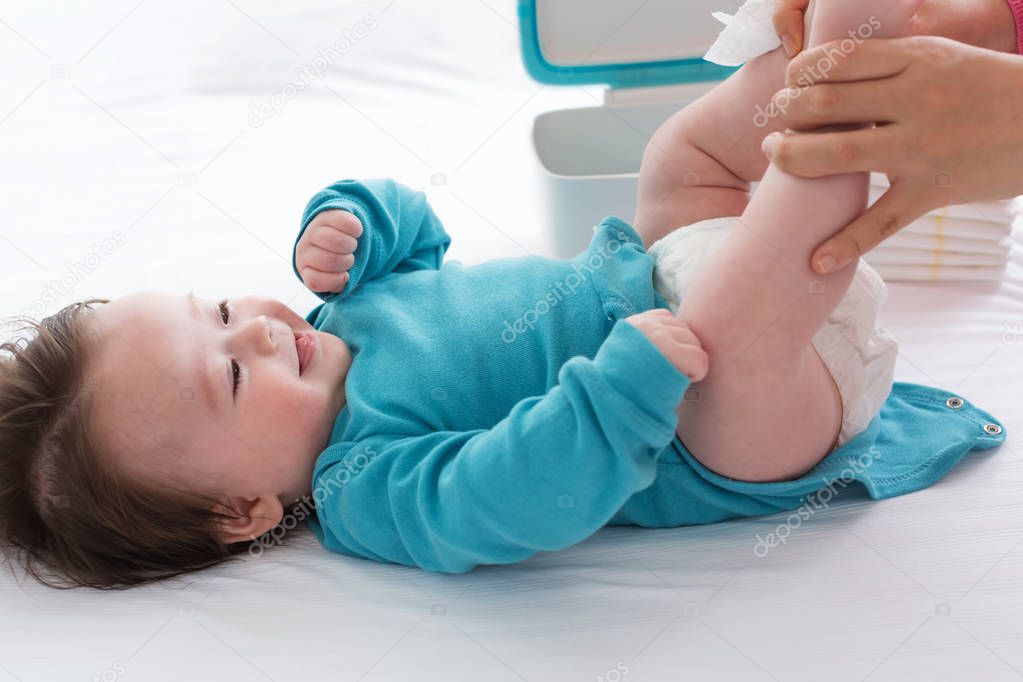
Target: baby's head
<point>159,433</point>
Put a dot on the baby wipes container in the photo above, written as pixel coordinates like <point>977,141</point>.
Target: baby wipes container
<point>648,54</point>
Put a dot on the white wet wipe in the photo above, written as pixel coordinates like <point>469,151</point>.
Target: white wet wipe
<point>748,34</point>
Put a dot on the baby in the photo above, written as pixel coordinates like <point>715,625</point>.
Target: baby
<point>450,416</point>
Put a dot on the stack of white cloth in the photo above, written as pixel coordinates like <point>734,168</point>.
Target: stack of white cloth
<point>968,242</point>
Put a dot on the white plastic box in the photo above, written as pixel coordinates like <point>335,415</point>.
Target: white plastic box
<point>647,53</point>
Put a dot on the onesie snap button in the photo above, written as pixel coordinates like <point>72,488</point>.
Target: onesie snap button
<point>615,307</point>
<point>954,402</point>
<point>992,429</point>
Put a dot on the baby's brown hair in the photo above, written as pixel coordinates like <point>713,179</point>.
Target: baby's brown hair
<point>65,512</point>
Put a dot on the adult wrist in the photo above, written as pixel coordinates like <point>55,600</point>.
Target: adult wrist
<point>1016,41</point>
<point>1001,22</point>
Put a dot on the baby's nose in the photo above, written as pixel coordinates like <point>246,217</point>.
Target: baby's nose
<point>256,335</point>
<point>266,337</point>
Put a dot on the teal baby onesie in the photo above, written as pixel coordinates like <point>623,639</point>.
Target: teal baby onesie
<point>502,409</point>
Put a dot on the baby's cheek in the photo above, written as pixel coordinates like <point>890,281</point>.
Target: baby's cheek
<point>311,407</point>
<point>281,411</point>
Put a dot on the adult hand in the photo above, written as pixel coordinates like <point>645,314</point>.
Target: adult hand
<point>983,23</point>
<point>790,26</point>
<point>950,129</point>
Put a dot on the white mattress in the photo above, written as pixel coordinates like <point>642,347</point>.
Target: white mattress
<point>922,587</point>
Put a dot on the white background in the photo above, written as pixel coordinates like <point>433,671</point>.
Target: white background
<point>135,118</point>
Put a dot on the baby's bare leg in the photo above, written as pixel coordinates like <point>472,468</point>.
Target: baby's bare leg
<point>770,410</point>
<point>700,162</point>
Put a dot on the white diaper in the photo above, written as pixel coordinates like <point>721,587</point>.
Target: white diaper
<point>859,354</point>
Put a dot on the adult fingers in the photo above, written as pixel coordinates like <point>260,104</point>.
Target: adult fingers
<point>838,62</point>
<point>788,24</point>
<point>814,155</point>
<point>835,104</point>
<point>899,206</point>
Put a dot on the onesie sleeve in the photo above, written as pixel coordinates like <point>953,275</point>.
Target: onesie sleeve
<point>550,474</point>
<point>401,233</point>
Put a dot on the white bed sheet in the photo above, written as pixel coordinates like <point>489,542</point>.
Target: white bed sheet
<point>134,118</point>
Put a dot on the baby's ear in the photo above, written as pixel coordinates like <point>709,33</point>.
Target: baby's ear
<point>248,518</point>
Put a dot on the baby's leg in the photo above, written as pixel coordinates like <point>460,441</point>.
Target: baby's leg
<point>770,410</point>
<point>700,162</point>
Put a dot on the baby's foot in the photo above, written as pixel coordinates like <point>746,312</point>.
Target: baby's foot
<point>836,19</point>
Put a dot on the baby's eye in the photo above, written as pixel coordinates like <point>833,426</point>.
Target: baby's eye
<point>236,376</point>
<point>225,314</point>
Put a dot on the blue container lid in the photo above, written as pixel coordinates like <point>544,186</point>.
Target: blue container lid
<point>620,43</point>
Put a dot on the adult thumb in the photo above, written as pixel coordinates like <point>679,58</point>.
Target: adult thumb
<point>896,209</point>
<point>788,24</point>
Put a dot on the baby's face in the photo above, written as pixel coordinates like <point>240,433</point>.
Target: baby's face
<point>227,397</point>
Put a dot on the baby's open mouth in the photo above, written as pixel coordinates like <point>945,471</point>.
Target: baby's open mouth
<point>305,346</point>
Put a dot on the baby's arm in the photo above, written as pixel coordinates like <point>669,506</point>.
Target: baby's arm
<point>550,474</point>
<point>355,231</point>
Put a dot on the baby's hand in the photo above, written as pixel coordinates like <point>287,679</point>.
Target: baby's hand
<point>326,250</point>
<point>675,340</point>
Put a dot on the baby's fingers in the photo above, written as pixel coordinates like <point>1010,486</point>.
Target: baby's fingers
<point>343,221</point>
<point>691,360</point>
<point>333,239</point>
<point>682,333</point>
<point>320,281</point>
<point>328,261</point>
